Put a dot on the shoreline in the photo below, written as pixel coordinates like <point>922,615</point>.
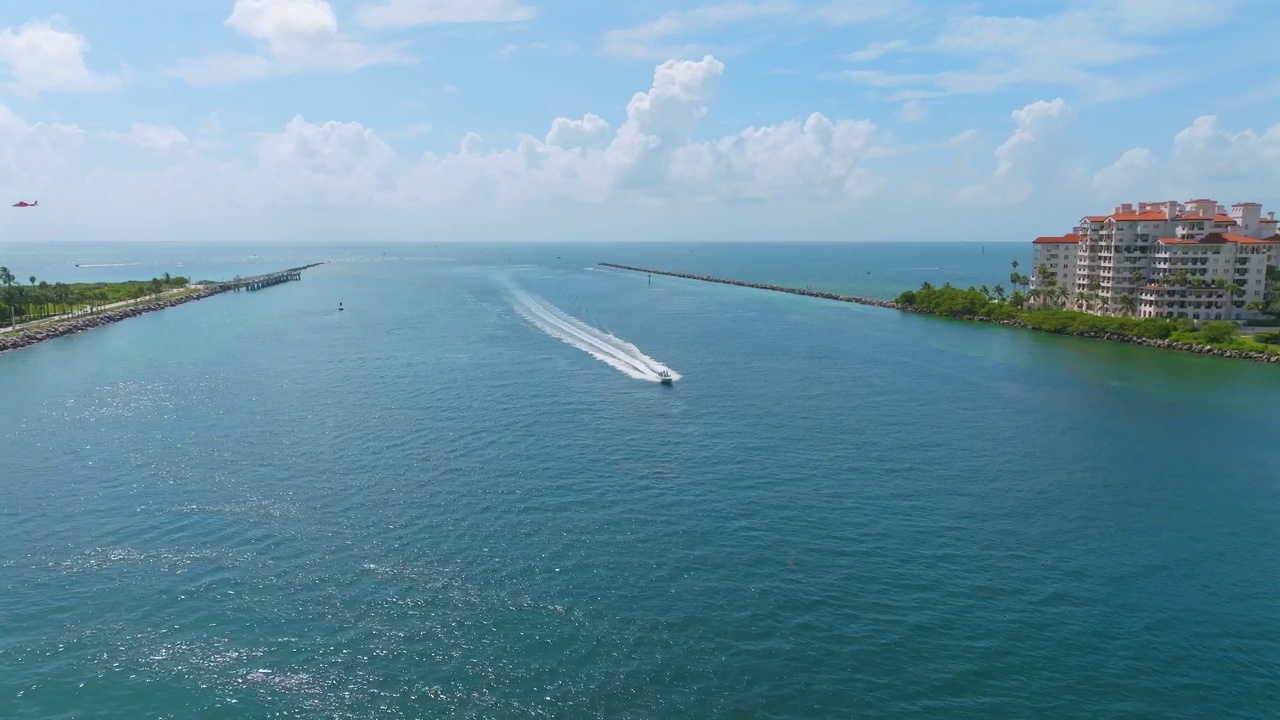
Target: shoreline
<point>70,326</point>
<point>891,305</point>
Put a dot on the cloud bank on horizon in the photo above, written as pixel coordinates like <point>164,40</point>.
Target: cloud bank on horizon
<point>527,119</point>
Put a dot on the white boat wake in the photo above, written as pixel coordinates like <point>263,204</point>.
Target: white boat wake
<point>609,349</point>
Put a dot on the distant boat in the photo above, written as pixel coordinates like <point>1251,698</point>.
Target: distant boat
<point>665,378</point>
<point>339,307</point>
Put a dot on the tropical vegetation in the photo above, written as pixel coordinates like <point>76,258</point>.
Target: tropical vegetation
<point>36,299</point>
<point>1045,308</point>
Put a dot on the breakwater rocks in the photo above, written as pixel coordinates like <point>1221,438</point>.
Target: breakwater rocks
<point>761,286</point>
<point>1109,337</point>
<point>26,338</point>
<point>1145,342</point>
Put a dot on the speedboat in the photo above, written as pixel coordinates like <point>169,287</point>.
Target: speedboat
<point>665,378</point>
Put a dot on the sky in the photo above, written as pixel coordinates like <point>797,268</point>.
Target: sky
<point>563,120</point>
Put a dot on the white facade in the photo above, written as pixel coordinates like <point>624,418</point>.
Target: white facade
<point>1132,261</point>
<point>1242,263</point>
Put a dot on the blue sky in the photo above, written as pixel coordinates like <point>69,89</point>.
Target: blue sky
<point>762,119</point>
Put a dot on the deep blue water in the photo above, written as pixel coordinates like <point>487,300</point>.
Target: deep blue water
<point>432,505</point>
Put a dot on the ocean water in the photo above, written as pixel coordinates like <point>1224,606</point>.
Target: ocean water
<point>465,496</point>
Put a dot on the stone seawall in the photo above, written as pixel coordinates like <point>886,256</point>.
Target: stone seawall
<point>1109,337</point>
<point>760,286</point>
<point>58,328</point>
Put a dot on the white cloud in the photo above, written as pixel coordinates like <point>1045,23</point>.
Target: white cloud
<point>330,164</point>
<point>1204,159</point>
<point>876,50</point>
<point>1006,51</point>
<point>658,38</point>
<point>1126,175</point>
<point>159,139</point>
<point>650,40</point>
<point>1146,16</point>
<point>1032,159</point>
<point>560,48</point>
<point>848,12</point>
<point>35,158</point>
<point>297,35</point>
<point>654,170</point>
<point>403,13</point>
<point>913,110</point>
<point>818,159</point>
<point>652,159</point>
<point>40,57</point>
<point>568,134</point>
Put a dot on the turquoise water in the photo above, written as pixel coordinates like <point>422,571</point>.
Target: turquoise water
<point>433,505</point>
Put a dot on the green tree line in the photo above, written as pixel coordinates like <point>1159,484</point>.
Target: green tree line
<point>37,299</point>
<point>1051,313</point>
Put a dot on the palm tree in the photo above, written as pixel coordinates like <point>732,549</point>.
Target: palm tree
<point>62,297</point>
<point>1046,276</point>
<point>1128,304</point>
<point>999,291</point>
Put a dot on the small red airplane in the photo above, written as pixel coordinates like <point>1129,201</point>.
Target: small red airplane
<point>24,203</point>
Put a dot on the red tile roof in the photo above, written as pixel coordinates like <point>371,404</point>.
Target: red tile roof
<point>1269,220</point>
<point>1222,219</point>
<point>1069,238</point>
<point>1248,240</point>
<point>1095,218</point>
<point>1134,216</point>
<point>1214,238</point>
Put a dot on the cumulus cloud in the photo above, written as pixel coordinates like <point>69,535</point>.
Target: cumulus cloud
<point>39,56</point>
<point>1030,159</point>
<point>1204,159</point>
<point>296,35</point>
<point>403,13</point>
<point>161,139</point>
<point>654,164</point>
<point>35,158</point>
<point>568,134</point>
<point>332,163</point>
<point>652,158</point>
<point>1125,175</point>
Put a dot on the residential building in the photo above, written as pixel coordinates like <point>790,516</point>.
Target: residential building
<point>1195,260</point>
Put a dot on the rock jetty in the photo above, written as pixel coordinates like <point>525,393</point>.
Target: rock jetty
<point>761,286</point>
<point>1109,337</point>
<point>26,338</point>
<point>67,326</point>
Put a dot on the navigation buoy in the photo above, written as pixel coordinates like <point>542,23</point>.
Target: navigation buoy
<point>339,307</point>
